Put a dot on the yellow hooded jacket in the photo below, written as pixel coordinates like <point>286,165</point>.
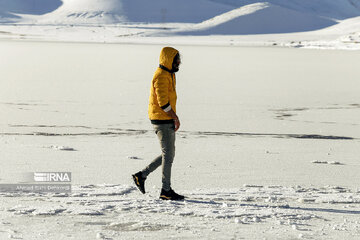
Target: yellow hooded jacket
<point>163,91</point>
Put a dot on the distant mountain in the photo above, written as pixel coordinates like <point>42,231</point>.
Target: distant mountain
<point>258,18</point>
<point>85,12</point>
<point>36,7</point>
<point>334,9</point>
<point>198,17</point>
<point>116,11</point>
<point>10,9</point>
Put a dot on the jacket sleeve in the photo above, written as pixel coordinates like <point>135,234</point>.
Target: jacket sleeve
<point>161,86</point>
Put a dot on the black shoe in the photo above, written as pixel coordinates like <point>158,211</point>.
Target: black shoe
<point>170,195</point>
<point>139,181</point>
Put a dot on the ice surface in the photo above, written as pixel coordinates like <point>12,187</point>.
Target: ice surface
<point>263,118</point>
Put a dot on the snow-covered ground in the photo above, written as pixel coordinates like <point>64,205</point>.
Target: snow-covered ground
<point>248,212</point>
<point>268,147</point>
<point>324,24</point>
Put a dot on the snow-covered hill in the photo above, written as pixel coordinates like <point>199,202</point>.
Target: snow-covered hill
<point>122,18</point>
<point>36,7</point>
<point>333,9</point>
<point>259,18</point>
<point>119,11</point>
<point>85,12</point>
<point>185,11</point>
<point>10,9</point>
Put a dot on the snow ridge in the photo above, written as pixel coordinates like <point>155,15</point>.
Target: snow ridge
<point>228,16</point>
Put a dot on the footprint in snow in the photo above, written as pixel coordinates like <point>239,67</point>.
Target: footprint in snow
<point>62,148</point>
<point>134,158</point>
<point>326,162</point>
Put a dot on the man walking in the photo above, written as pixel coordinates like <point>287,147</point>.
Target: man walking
<point>162,113</point>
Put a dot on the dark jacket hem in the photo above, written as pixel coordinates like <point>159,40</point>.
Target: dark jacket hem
<point>158,122</point>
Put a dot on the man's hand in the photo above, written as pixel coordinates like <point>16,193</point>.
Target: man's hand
<point>173,115</point>
<point>177,124</point>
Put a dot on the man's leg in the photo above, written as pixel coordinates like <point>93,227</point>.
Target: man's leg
<point>166,137</point>
<point>167,142</point>
<point>152,166</point>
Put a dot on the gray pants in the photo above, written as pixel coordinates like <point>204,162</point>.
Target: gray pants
<point>166,136</point>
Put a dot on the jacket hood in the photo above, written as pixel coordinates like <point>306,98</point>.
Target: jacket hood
<point>167,56</point>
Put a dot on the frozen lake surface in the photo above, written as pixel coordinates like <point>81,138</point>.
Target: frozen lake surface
<point>269,140</point>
